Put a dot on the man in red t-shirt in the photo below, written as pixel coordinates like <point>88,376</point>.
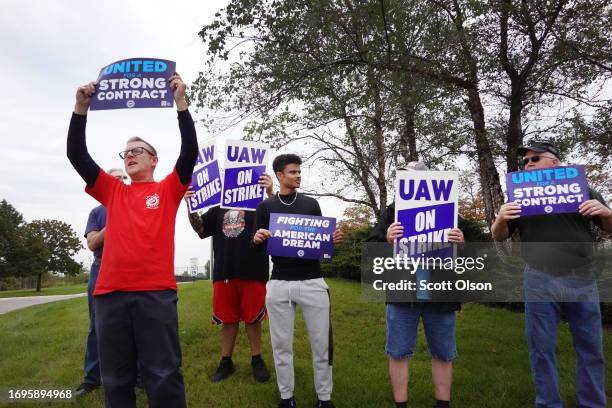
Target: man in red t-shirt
<point>135,295</point>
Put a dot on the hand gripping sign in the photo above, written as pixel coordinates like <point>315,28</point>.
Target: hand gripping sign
<point>206,178</point>
<point>301,236</point>
<point>426,206</point>
<point>245,162</point>
<point>134,83</point>
<point>551,190</point>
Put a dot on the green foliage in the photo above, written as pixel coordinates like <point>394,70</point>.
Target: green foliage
<point>60,244</point>
<point>346,262</point>
<point>11,243</point>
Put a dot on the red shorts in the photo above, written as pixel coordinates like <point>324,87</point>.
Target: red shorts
<point>238,299</point>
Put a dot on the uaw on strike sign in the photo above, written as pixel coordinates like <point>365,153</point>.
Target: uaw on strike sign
<point>206,178</point>
<point>426,206</point>
<point>551,190</point>
<point>134,83</point>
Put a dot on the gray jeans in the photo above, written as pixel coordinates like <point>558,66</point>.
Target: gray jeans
<point>313,297</point>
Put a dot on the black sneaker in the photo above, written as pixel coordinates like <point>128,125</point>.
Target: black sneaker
<point>287,403</point>
<point>325,404</point>
<point>225,369</point>
<point>260,371</point>
<point>85,388</point>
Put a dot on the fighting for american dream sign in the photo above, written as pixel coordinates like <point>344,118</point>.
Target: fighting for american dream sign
<point>552,190</point>
<point>206,178</point>
<point>245,162</point>
<point>134,83</point>
<point>301,236</point>
<point>426,206</point>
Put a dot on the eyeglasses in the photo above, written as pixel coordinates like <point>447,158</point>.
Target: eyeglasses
<point>137,151</point>
<point>535,159</point>
<point>121,177</point>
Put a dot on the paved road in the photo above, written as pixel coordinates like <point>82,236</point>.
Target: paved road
<point>10,304</point>
<point>15,303</point>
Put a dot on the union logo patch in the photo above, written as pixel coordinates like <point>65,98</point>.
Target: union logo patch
<point>152,202</point>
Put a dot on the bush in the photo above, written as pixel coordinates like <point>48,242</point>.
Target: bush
<point>346,262</point>
<point>10,283</point>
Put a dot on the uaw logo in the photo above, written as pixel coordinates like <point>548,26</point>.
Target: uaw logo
<point>548,209</point>
<point>300,253</point>
<point>130,104</point>
<point>152,202</point>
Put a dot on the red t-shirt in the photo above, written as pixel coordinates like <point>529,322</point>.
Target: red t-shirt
<point>139,238</point>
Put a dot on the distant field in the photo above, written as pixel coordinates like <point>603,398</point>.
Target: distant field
<point>43,347</point>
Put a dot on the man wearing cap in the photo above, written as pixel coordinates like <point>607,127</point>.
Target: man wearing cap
<point>403,322</point>
<point>559,277</point>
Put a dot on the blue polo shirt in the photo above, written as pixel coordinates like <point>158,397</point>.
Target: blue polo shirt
<point>95,222</point>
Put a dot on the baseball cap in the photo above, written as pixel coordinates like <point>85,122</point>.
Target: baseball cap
<point>539,147</point>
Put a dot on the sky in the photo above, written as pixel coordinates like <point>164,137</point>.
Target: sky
<point>50,48</point>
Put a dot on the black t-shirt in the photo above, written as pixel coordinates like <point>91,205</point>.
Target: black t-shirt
<point>235,258</point>
<point>284,268</point>
<point>563,241</point>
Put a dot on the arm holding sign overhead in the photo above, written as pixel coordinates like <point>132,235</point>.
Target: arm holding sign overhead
<point>76,148</point>
<point>189,142</point>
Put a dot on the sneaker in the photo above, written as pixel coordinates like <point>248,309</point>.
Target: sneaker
<point>325,404</point>
<point>287,403</point>
<point>225,369</point>
<point>260,371</point>
<point>85,388</point>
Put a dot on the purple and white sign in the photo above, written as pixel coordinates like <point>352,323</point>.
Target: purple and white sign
<point>426,206</point>
<point>553,190</point>
<point>134,83</point>
<point>245,162</point>
<point>206,178</point>
<point>301,236</point>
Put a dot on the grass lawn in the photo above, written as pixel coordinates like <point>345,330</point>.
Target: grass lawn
<point>43,347</point>
<point>55,290</point>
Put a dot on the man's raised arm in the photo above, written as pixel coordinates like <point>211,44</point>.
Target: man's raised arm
<point>76,148</point>
<point>189,141</point>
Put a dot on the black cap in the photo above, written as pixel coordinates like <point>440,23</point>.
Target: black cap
<point>539,147</point>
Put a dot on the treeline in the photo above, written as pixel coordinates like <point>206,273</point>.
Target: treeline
<point>362,84</point>
<point>35,248</point>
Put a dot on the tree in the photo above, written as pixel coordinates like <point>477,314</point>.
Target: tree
<point>60,244</point>
<point>540,47</point>
<point>311,75</point>
<point>11,222</point>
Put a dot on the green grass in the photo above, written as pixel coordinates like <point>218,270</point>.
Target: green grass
<point>43,347</point>
<point>55,290</point>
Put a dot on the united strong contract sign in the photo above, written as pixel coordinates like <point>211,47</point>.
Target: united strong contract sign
<point>134,83</point>
<point>552,190</point>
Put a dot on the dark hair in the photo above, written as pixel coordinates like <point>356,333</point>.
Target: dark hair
<point>281,161</point>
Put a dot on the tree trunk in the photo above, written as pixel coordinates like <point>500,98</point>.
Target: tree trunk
<point>408,148</point>
<point>489,178</point>
<point>38,282</point>
<point>514,135</point>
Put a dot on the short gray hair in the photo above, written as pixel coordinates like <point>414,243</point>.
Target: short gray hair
<point>138,139</point>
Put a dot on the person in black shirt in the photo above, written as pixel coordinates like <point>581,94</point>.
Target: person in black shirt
<point>296,282</point>
<point>559,277</point>
<point>403,321</point>
<point>239,280</point>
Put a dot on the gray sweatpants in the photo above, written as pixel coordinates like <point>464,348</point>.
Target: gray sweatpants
<point>313,297</point>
